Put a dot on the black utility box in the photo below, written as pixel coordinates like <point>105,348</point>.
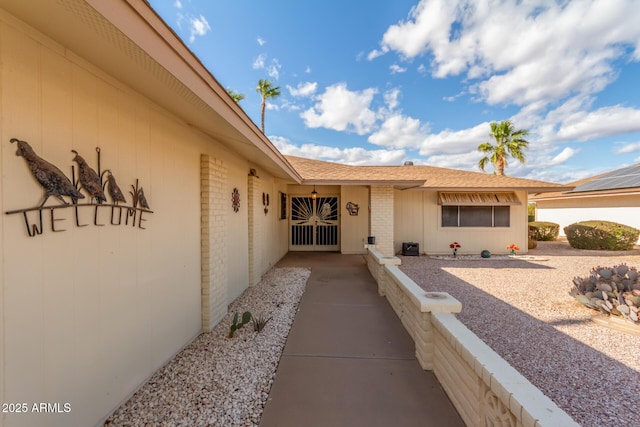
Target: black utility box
<point>410,249</point>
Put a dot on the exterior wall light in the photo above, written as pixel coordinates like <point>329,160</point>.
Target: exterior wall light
<point>314,193</point>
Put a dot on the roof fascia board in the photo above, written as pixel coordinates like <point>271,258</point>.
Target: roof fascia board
<point>585,196</point>
<point>494,189</point>
<point>359,182</point>
<point>166,48</point>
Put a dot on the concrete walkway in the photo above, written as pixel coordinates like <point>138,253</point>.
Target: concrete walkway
<point>348,360</point>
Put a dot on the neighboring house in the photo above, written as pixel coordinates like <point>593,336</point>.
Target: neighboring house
<point>96,297</point>
<point>612,196</point>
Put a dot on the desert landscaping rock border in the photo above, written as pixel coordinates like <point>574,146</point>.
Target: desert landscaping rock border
<point>222,381</point>
<point>522,309</point>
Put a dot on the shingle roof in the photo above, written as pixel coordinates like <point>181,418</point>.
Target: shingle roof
<point>321,172</point>
<point>586,187</point>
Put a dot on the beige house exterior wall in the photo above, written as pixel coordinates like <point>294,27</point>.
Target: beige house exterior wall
<point>417,218</point>
<point>89,313</point>
<point>354,229</point>
<point>623,209</point>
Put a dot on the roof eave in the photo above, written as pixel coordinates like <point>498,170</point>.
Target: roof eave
<point>167,49</point>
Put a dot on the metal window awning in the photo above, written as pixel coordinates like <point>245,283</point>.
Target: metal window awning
<point>456,198</point>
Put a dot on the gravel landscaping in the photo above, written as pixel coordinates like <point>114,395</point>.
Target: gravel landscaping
<point>523,310</point>
<point>519,306</point>
<point>221,381</point>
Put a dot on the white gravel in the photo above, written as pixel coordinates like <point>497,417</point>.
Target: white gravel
<point>218,381</point>
<point>523,310</point>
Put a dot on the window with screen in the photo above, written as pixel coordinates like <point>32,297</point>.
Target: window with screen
<point>476,216</point>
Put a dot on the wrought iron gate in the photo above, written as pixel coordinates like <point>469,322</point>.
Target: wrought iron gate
<point>314,224</point>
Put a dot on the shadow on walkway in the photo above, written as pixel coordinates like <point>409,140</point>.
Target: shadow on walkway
<point>348,360</point>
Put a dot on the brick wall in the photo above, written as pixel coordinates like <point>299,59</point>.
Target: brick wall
<point>381,218</point>
<point>254,206</point>
<point>213,229</point>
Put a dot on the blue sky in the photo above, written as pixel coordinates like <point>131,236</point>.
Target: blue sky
<point>379,82</point>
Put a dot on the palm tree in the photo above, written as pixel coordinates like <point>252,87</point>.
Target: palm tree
<point>235,95</point>
<point>266,90</point>
<point>508,142</point>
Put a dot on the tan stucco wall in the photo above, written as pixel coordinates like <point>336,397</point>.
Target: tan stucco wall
<point>417,219</point>
<point>623,209</point>
<point>91,312</point>
<point>354,229</point>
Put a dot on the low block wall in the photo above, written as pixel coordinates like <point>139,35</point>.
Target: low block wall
<point>483,387</point>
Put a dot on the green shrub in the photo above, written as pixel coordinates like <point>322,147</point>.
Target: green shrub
<point>603,235</point>
<point>543,231</point>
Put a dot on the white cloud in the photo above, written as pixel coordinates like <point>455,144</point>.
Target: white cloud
<point>463,161</point>
<point>261,41</point>
<point>427,27</point>
<point>340,109</point>
<point>395,68</point>
<point>626,148</point>
<point>198,27</point>
<point>455,142</point>
<point>353,156</point>
<point>307,70</point>
<point>520,52</point>
<point>563,156</point>
<point>259,62</point>
<point>391,99</point>
<point>303,89</point>
<point>177,4</point>
<point>375,53</point>
<point>398,131</point>
<point>272,68</point>
<point>599,123</point>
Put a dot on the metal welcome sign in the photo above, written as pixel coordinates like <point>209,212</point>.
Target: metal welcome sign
<point>89,184</point>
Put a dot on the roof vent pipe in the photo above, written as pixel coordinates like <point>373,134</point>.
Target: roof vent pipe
<point>408,163</point>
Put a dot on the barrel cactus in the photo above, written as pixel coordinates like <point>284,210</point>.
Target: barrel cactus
<point>610,290</point>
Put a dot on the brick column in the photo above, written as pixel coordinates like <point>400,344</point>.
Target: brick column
<point>381,217</point>
<point>254,206</point>
<point>213,240</point>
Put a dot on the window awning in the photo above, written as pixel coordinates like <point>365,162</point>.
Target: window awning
<point>451,198</point>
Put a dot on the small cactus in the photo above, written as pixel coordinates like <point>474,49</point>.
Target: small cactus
<point>235,325</point>
<point>612,291</point>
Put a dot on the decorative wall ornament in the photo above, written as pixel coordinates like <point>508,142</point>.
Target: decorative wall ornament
<point>496,413</point>
<point>53,181</point>
<point>235,200</point>
<point>56,183</point>
<point>89,178</point>
<point>265,202</point>
<point>353,208</point>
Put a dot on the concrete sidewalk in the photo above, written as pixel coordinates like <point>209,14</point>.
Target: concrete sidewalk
<point>348,360</point>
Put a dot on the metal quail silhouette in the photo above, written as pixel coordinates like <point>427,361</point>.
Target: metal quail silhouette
<point>89,179</point>
<point>54,182</point>
<point>112,187</point>
<point>142,200</point>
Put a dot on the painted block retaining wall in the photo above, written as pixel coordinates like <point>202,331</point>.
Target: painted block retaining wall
<point>485,390</point>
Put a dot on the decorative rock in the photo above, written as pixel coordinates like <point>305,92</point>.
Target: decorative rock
<point>220,381</point>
